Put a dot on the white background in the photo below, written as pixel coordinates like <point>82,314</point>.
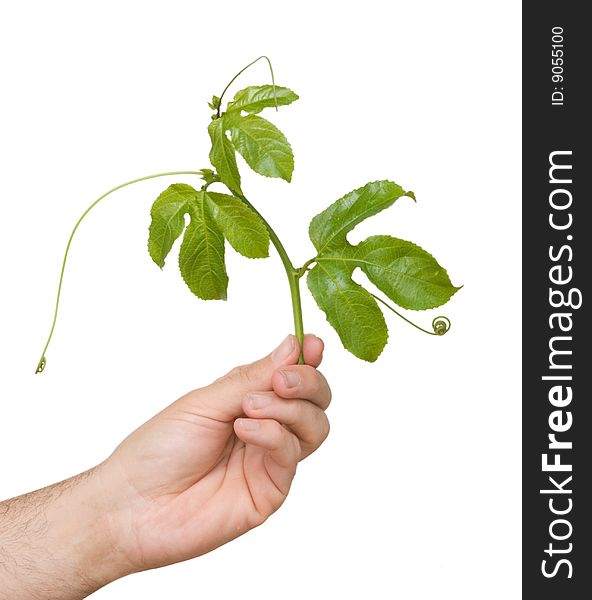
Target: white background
<point>415,494</point>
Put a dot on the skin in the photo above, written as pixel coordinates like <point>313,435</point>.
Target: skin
<point>209,467</point>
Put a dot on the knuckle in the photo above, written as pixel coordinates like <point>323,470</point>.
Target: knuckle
<point>227,377</point>
<point>299,411</point>
<point>293,413</point>
<point>255,517</point>
<point>310,380</point>
<point>324,389</point>
<point>329,394</point>
<point>193,395</point>
<point>296,446</point>
<point>321,426</point>
<point>320,389</point>
<point>241,373</point>
<point>234,372</point>
<point>276,432</point>
<point>325,428</point>
<point>290,442</point>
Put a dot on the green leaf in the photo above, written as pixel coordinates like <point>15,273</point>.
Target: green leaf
<point>330,227</point>
<point>214,103</point>
<point>263,146</point>
<point>201,257</point>
<point>406,273</point>
<point>222,155</point>
<point>241,226</point>
<point>213,217</point>
<point>255,98</point>
<point>168,220</point>
<point>350,309</point>
<point>403,271</point>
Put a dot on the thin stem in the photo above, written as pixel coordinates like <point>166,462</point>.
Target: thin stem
<point>240,73</point>
<point>291,272</point>
<point>42,360</point>
<point>294,281</point>
<point>440,325</point>
<point>304,268</point>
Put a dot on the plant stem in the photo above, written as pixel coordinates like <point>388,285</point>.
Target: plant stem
<point>294,281</point>
<point>42,360</point>
<point>292,274</point>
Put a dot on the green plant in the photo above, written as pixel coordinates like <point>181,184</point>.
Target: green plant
<point>404,272</point>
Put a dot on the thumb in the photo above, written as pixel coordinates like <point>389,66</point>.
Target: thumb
<point>257,375</point>
<point>223,398</point>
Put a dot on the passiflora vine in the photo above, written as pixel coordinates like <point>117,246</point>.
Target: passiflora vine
<point>219,212</point>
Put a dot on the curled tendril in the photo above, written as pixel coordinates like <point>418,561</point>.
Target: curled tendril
<point>440,325</point>
<point>41,364</point>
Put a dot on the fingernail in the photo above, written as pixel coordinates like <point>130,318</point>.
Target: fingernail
<point>248,424</point>
<point>256,402</point>
<point>283,350</point>
<point>292,379</point>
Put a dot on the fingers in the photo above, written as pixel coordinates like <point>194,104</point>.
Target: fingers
<point>306,420</point>
<point>283,448</point>
<point>257,375</point>
<point>313,347</point>
<point>222,399</point>
<point>302,381</point>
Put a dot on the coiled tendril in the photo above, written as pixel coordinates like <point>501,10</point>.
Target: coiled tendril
<point>440,325</point>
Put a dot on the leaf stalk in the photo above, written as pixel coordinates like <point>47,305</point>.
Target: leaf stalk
<point>305,267</point>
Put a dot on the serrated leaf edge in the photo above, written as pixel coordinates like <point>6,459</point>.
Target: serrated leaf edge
<point>211,197</point>
<point>456,288</point>
<point>337,332</point>
<point>289,179</point>
<point>225,296</point>
<point>409,194</point>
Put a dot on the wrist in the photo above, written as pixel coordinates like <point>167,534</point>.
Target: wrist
<point>97,544</point>
<point>58,542</point>
<point>80,531</point>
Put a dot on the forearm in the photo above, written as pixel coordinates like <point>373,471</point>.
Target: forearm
<point>57,542</point>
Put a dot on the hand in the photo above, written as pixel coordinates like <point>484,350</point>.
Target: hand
<point>200,474</point>
<point>212,465</point>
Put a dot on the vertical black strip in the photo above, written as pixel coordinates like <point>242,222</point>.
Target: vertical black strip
<point>557,259</point>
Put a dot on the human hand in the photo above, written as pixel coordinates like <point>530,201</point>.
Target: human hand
<point>200,474</point>
<point>209,467</point>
